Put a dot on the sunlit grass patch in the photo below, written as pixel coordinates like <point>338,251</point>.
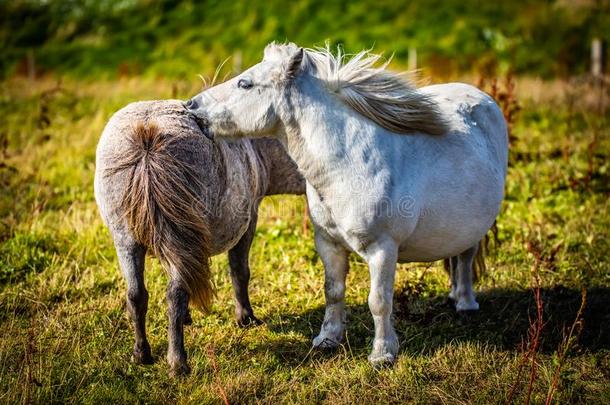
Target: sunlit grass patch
<point>65,335</point>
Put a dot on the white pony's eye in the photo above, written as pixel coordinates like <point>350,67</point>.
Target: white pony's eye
<point>245,84</point>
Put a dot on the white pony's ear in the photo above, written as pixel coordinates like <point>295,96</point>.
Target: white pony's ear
<point>294,64</point>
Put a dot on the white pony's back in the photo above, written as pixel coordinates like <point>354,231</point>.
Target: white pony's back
<point>458,101</point>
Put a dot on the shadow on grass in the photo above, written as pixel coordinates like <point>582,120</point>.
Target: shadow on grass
<point>426,324</point>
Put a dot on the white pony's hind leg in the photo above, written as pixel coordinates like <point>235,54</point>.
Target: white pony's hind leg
<point>381,258</point>
<point>335,259</point>
<point>464,294</point>
<point>453,263</point>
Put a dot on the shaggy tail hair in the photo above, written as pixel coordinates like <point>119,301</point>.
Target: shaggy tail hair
<point>163,209</point>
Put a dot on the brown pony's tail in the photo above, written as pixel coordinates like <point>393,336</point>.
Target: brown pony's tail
<point>162,207</point>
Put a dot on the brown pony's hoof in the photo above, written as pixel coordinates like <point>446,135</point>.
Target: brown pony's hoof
<point>248,321</point>
<point>179,370</point>
<point>142,356</point>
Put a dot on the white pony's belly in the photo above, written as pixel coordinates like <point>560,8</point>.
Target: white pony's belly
<point>431,248</point>
<point>451,225</point>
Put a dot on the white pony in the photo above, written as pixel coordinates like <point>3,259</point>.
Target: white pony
<point>394,173</point>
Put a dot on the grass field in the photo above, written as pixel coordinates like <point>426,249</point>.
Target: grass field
<point>65,335</point>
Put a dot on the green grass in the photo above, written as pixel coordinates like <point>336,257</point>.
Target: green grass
<point>65,335</point>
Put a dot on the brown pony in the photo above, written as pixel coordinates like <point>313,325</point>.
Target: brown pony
<point>163,187</point>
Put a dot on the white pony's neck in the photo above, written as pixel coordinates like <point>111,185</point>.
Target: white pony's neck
<point>324,136</point>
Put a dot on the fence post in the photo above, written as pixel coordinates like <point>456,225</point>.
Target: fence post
<point>31,65</point>
<point>596,57</point>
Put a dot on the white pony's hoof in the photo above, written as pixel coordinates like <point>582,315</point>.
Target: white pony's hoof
<point>382,360</point>
<point>467,306</point>
<point>384,352</point>
<point>325,343</point>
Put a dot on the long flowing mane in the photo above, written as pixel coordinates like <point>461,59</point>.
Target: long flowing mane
<point>386,98</point>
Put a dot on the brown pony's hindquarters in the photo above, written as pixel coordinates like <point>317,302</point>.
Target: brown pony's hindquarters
<point>161,207</point>
<point>240,276</point>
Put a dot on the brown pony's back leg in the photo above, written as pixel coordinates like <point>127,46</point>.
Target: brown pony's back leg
<point>131,260</point>
<point>240,276</point>
<point>177,310</point>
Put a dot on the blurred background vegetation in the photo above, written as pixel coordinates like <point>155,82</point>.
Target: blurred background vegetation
<point>178,39</point>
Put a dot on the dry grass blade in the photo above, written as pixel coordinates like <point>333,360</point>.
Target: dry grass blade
<point>212,357</point>
<point>569,340</point>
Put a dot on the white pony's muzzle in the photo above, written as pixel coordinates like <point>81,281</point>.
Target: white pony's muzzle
<point>202,122</point>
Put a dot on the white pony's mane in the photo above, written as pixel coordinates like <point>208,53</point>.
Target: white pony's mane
<point>386,98</point>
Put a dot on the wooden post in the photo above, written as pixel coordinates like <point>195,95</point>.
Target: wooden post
<point>31,65</point>
<point>596,57</point>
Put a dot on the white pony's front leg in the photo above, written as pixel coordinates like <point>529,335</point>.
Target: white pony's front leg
<point>381,258</point>
<point>335,259</point>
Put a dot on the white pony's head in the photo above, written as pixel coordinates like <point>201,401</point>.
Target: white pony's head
<point>247,105</point>
<point>250,104</point>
